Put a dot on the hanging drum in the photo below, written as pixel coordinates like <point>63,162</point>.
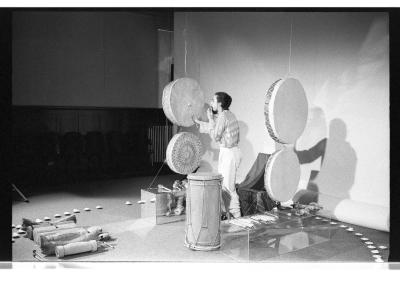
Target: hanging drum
<point>182,99</point>
<point>286,110</point>
<point>282,175</point>
<point>184,153</point>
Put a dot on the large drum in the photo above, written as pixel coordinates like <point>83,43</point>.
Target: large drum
<point>286,110</point>
<point>182,99</point>
<point>203,211</point>
<point>282,175</point>
<point>184,153</point>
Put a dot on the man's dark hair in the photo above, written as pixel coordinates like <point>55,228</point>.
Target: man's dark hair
<point>225,100</point>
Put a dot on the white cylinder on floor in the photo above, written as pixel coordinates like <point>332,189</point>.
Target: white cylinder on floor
<point>355,212</point>
<point>76,248</point>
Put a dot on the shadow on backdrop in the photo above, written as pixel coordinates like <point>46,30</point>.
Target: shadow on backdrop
<point>245,145</point>
<point>338,166</point>
<point>313,141</point>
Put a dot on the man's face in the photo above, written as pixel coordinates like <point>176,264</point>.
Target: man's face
<point>214,103</point>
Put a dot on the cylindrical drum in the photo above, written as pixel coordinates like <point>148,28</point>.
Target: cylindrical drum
<point>286,110</point>
<point>76,248</point>
<point>203,211</point>
<point>184,153</point>
<point>182,99</point>
<point>282,175</point>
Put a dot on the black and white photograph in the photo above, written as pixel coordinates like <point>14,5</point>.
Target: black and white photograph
<point>198,135</point>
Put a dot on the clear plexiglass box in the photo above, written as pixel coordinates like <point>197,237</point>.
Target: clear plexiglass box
<point>264,241</point>
<point>154,207</point>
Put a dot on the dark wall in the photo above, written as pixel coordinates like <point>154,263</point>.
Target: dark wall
<point>86,58</point>
<point>5,136</point>
<point>53,145</point>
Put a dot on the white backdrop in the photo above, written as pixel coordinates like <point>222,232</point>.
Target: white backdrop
<point>342,60</point>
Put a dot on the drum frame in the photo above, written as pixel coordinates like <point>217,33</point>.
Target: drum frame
<point>269,110</point>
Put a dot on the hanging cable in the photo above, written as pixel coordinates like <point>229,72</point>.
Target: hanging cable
<point>290,46</point>
<point>185,37</point>
<point>185,54</point>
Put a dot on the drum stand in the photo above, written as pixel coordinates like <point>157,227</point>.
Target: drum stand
<point>15,188</point>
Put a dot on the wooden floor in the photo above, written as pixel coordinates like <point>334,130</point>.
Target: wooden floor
<point>139,240</point>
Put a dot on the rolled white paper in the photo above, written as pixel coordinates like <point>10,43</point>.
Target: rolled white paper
<point>76,248</point>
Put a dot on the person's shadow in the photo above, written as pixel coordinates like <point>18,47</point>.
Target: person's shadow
<point>246,147</point>
<point>337,173</point>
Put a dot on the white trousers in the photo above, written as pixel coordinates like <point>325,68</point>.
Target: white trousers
<point>228,163</point>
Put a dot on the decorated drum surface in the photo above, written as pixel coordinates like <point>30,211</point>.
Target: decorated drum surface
<point>286,110</point>
<point>203,211</point>
<point>282,175</point>
<point>184,153</point>
<point>182,99</point>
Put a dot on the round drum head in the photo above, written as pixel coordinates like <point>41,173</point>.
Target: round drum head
<point>282,175</point>
<point>184,153</point>
<point>286,110</point>
<point>182,99</point>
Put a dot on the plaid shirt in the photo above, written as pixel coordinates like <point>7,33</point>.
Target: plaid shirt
<point>225,130</point>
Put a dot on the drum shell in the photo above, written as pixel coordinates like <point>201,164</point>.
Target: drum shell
<point>286,110</point>
<point>203,209</point>
<point>166,102</point>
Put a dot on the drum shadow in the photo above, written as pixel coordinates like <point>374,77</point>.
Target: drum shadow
<point>209,148</point>
<point>338,166</point>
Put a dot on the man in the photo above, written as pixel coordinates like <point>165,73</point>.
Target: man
<point>224,129</point>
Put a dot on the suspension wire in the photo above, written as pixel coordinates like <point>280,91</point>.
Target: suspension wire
<point>157,174</point>
<point>290,47</point>
<point>185,38</point>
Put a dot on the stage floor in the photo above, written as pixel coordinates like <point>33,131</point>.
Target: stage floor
<point>140,240</point>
